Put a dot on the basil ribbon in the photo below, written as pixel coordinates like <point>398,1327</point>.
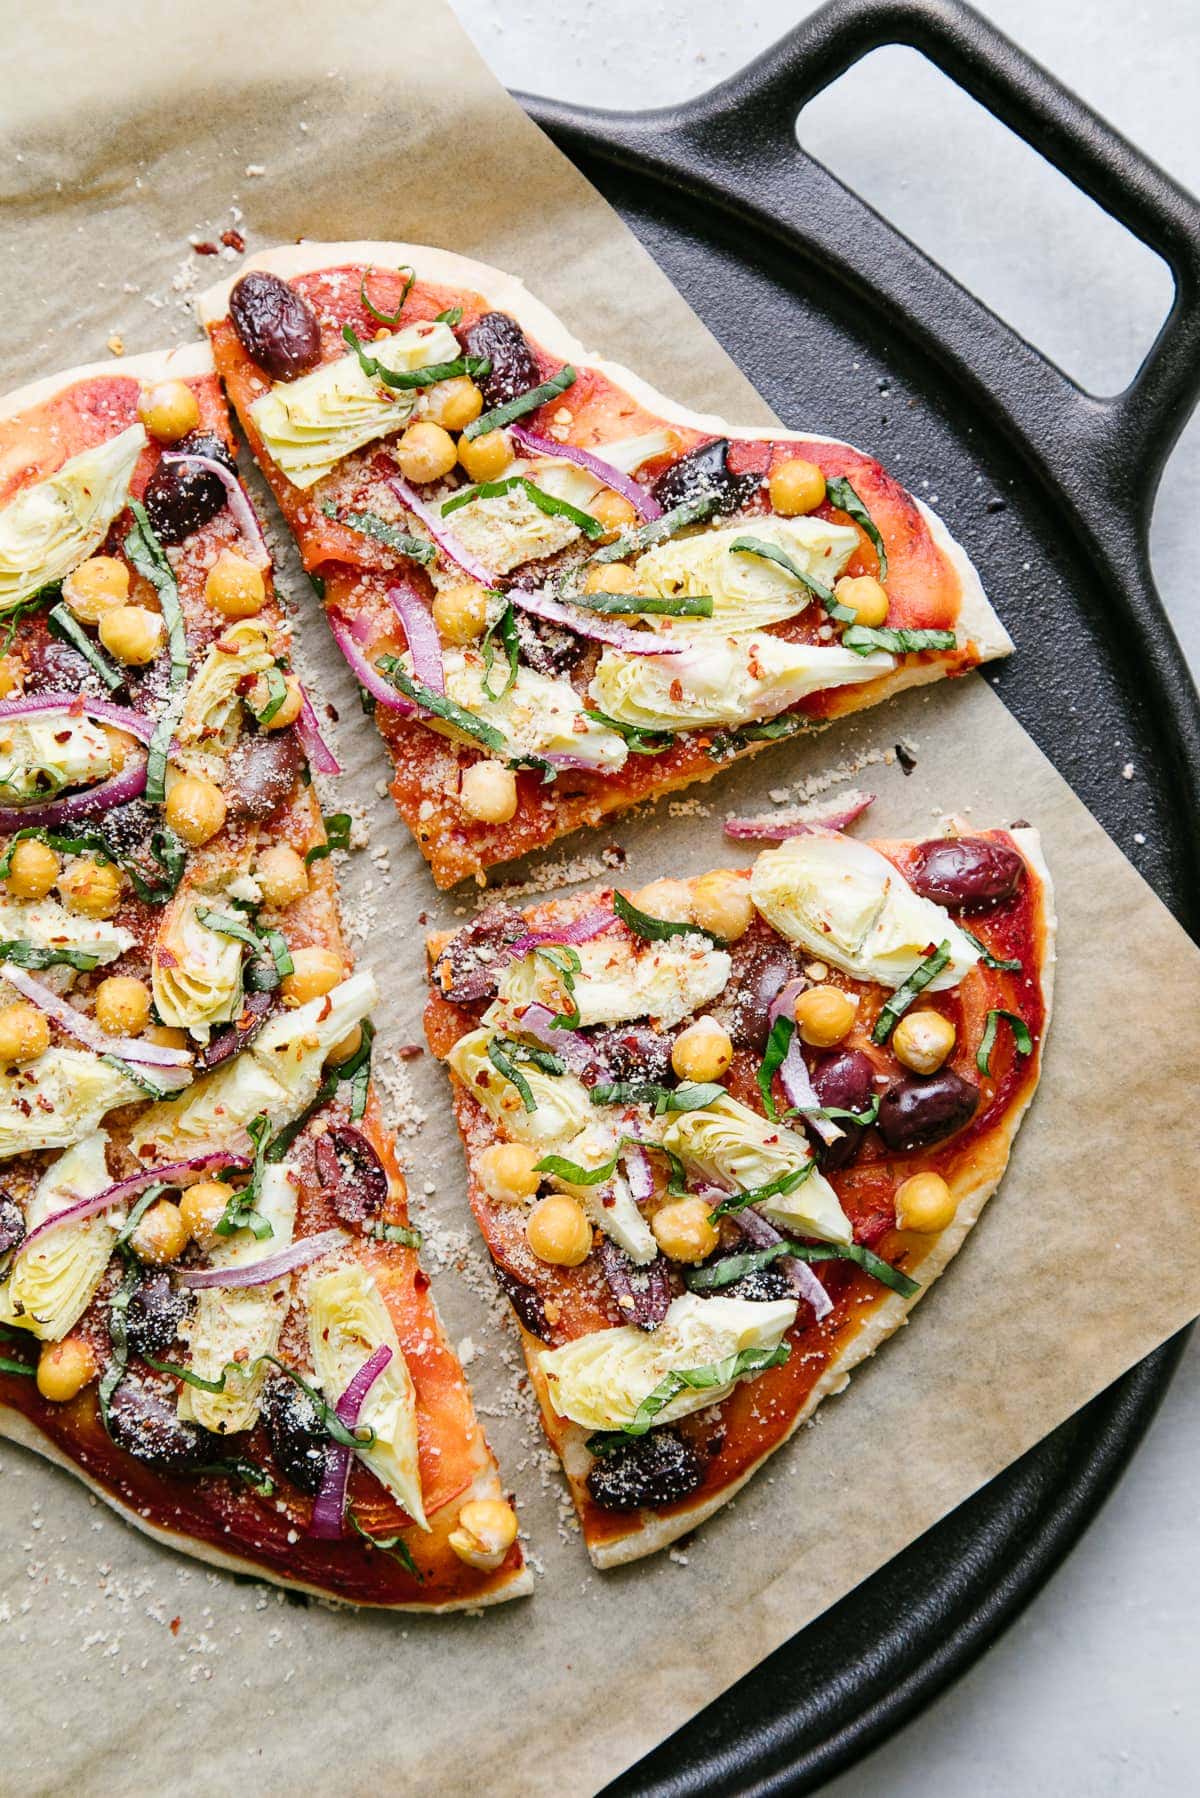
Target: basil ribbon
<point>841,494</point>
<point>499,416</point>
<point>904,995</point>
<point>1022,1038</point>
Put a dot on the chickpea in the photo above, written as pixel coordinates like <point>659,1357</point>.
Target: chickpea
<point>65,1368</point>
<point>865,598</point>
<point>558,1231</point>
<point>721,903</point>
<point>613,510</point>
<point>12,676</point>
<point>281,875</point>
<point>90,888</point>
<point>684,1230</point>
<point>666,899</point>
<point>24,1034</point>
<point>425,452</point>
<point>702,1052</point>
<point>507,1170</point>
<point>162,1235</point>
<point>453,404</point>
<point>486,1530</point>
<point>922,1040</point>
<point>203,1206</point>
<point>95,587</point>
<point>796,486</point>
<point>195,809</point>
<point>925,1203</point>
<point>485,458</point>
<point>460,612</point>
<point>610,577</point>
<point>345,1047</point>
<point>33,870</point>
<point>235,587</point>
<point>289,706</point>
<point>314,972</point>
<point>122,1005</point>
<point>824,1015</point>
<point>167,1036</point>
<point>488,792</point>
<point>169,410</point>
<point>131,633</point>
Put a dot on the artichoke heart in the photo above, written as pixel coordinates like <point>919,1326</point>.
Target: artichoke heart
<point>846,903</point>
<point>57,523</point>
<point>347,1322</point>
<point>308,426</point>
<point>43,754</point>
<point>212,712</point>
<point>58,1099</point>
<point>195,971</point>
<point>240,1323</point>
<point>50,1284</point>
<point>561,1104</point>
<point>723,680</point>
<point>506,529</point>
<point>610,1205</point>
<point>599,1381</point>
<point>537,717</point>
<point>729,1143</point>
<point>48,925</point>
<point>748,591</point>
<point>617,980</point>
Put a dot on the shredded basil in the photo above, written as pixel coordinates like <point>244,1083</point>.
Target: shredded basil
<point>778,1044</point>
<point>393,670</point>
<point>338,826</point>
<point>406,379</point>
<point>237,1467</point>
<point>119,1339</point>
<point>25,609</point>
<point>692,1379</point>
<point>632,543</point>
<point>733,1267</point>
<point>639,741</point>
<point>767,730</point>
<point>566,964</point>
<point>880,1270</point>
<point>357,1070</point>
<point>363,1437</point>
<point>755,1195</point>
<point>768,552</point>
<point>240,1211</point>
<point>863,1118</point>
<point>988,959</point>
<point>657,930</point>
<point>545,502</point>
<point>841,494</point>
<point>147,555</point>
<point>663,1098</point>
<point>388,1545</point>
<point>140,1078</point>
<point>276,695</point>
<point>864,640</point>
<point>507,1067</point>
<point>394,1233</point>
<point>194,1379</point>
<point>574,1173</point>
<point>1022,1038</point>
<point>904,995</point>
<point>387,318</point>
<point>318,585</point>
<point>138,1211</point>
<point>506,624</point>
<point>696,605</point>
<point>68,629</point>
<point>165,846</point>
<point>369,524</point>
<point>499,416</point>
<point>28,955</point>
<point>271,958</point>
<point>9,1365</point>
<point>451,316</point>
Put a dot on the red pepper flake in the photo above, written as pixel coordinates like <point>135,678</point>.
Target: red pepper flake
<point>233,240</point>
<point>409,1051</point>
<point>173,1626</point>
<point>207,249</point>
<point>676,691</point>
<point>420,1280</point>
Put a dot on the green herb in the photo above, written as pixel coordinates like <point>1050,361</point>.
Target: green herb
<point>406,379</point>
<point>138,1212</point>
<point>639,741</point>
<point>663,1098</point>
<point>395,1233</point>
<point>545,502</point>
<point>566,964</point>
<point>165,846</point>
<point>697,605</point>
<point>357,1070</point>
<point>506,624</point>
<point>8,1365</point>
<point>692,1379</point>
<point>544,1059</point>
<point>864,1117</point>
<point>366,702</point>
<point>452,316</point>
<point>1022,1039</point>
<point>904,995</point>
<point>276,695</point>
<point>194,1379</point>
<point>338,826</point>
<point>387,318</point>
<point>507,1067</point>
<point>841,494</point>
<point>388,1545</point>
<point>369,524</point>
<point>237,1467</point>
<point>25,609</point>
<point>68,629</point>
<point>632,543</point>
<point>864,641</point>
<point>28,955</point>
<point>318,584</point>
<point>778,1044</point>
<point>271,958</point>
<point>768,552</point>
<point>755,1195</point>
<point>146,554</point>
<point>574,1173</point>
<point>363,1437</point>
<point>140,1078</point>
<point>118,1336</point>
<point>733,1267</point>
<point>466,722</point>
<point>657,930</point>
<point>499,416</point>
<point>240,1212</point>
<point>872,1264</point>
<point>767,730</point>
<point>988,959</point>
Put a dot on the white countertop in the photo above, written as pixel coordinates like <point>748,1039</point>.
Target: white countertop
<point>1093,1691</point>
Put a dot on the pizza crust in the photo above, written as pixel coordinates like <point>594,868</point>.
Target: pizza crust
<point>189,361</point>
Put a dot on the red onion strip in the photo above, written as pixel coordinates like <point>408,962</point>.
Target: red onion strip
<point>598,629</point>
<point>270,1267</point>
<point>365,673</point>
<point>329,1506</point>
<point>643,503</point>
<point>136,724</point>
<point>793,1072</point>
<point>447,542</point>
<point>638,1173</point>
<point>239,505</point>
<point>805,1283</point>
<point>580,930</point>
<point>537,1021</point>
<point>86,1030</point>
<point>169,1172</point>
<point>421,635</point>
<point>320,755</point>
<point>129,784</point>
<point>780,828</point>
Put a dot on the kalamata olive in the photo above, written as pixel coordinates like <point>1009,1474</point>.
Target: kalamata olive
<point>845,1079</point>
<point>276,326</point>
<point>12,1223</point>
<point>643,1294</point>
<point>761,1285</point>
<point>155,1311</point>
<point>261,774</point>
<point>144,1422</point>
<point>230,1039</point>
<point>915,1113</point>
<point>180,498</point>
<point>705,473</point>
<point>966,872</point>
<point>659,1468</point>
<point>55,667</point>
<point>299,1441</point>
<point>760,968</point>
<point>525,1300</point>
<point>472,962</point>
<point>352,1176</point>
<point>547,648</point>
<point>631,1051</point>
<point>514,366</point>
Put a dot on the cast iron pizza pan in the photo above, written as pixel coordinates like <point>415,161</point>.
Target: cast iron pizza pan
<point>848,329</point>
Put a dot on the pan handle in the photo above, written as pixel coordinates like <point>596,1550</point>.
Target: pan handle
<point>738,141</point>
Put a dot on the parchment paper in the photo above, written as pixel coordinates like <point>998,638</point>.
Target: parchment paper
<point>132,128</point>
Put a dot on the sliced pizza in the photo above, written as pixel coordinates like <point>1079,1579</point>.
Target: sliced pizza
<point>211,1307</point>
<point>560,591</point>
<point>723,1134</point>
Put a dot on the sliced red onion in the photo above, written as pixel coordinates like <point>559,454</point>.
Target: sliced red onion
<point>86,1030</point>
<point>643,503</point>
<point>537,1021</point>
<point>580,930</point>
<point>805,1282</point>
<point>430,516</point>
<point>319,754</point>
<point>643,1294</point>
<point>329,1506</point>
<point>421,636</point>
<point>598,629</point>
<point>780,826</point>
<point>638,1173</point>
<point>271,1267</point>
<point>118,789</point>
<point>366,674</point>
<point>793,1071</point>
<point>136,724</point>
<point>243,512</point>
<point>168,1171</point>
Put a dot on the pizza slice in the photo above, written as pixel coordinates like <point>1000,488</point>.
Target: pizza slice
<point>723,1134</point>
<point>561,592</point>
<point>211,1306</point>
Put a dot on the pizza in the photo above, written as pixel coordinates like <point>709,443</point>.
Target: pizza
<point>723,1133</point>
<point>211,1305</point>
<point>561,592</point>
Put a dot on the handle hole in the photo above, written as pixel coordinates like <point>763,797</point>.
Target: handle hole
<point>993,212</point>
